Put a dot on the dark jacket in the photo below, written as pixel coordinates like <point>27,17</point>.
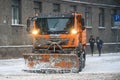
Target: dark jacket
<point>99,43</point>
<point>91,41</point>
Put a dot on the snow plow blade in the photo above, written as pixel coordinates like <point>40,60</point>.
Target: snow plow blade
<point>51,63</point>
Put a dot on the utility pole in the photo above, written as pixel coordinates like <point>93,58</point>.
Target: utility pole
<point>117,24</point>
<point>117,38</point>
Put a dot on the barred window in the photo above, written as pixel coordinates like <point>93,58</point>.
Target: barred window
<point>16,12</point>
<point>101,17</point>
<point>73,8</point>
<point>56,7</point>
<point>88,16</point>
<point>37,7</point>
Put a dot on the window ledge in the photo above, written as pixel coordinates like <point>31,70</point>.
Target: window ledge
<point>89,27</point>
<point>115,27</point>
<point>18,25</point>
<point>101,27</point>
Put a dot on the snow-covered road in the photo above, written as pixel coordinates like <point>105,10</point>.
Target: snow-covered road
<point>105,67</point>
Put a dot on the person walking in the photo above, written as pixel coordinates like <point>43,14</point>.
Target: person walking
<point>92,42</point>
<point>99,43</point>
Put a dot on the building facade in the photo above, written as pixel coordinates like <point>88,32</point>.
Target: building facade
<point>98,15</point>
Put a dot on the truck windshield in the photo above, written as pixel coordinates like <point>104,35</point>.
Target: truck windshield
<point>55,24</point>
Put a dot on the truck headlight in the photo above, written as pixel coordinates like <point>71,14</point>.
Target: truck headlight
<point>74,31</point>
<point>35,32</point>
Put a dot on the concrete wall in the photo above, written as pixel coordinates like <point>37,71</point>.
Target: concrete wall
<point>14,52</point>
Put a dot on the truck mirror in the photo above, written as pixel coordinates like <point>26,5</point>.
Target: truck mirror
<point>28,25</point>
<point>83,23</point>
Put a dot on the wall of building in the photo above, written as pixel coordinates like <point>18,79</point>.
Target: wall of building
<point>17,35</point>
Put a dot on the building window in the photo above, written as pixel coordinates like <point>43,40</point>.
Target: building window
<point>101,17</point>
<point>37,7</point>
<point>73,8</point>
<point>113,12</point>
<point>88,16</point>
<point>56,7</point>
<point>16,12</point>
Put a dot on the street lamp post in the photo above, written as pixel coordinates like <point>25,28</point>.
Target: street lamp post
<point>117,23</point>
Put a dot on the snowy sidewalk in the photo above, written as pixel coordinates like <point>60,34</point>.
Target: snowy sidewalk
<point>107,63</point>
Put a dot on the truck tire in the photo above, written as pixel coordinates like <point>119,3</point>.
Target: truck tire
<point>81,64</point>
<point>84,60</point>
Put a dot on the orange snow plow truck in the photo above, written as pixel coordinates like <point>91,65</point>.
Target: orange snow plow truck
<point>58,43</point>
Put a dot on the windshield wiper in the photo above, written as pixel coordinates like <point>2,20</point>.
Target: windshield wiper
<point>55,24</point>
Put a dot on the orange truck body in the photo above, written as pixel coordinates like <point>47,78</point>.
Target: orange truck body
<point>58,51</point>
